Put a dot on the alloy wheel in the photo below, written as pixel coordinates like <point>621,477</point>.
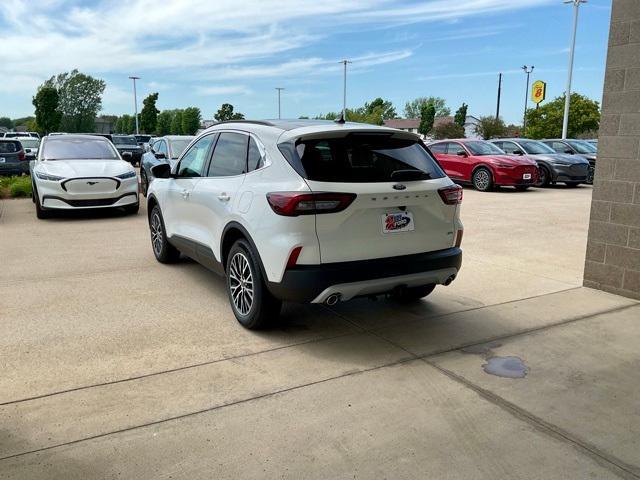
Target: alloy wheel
<point>241,283</point>
<point>483,180</point>
<point>156,233</point>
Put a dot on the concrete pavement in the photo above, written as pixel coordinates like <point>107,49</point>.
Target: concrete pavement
<point>117,366</point>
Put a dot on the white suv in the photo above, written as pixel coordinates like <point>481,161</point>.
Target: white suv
<point>308,211</point>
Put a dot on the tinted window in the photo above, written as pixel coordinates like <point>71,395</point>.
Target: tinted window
<point>192,163</point>
<point>560,147</point>
<point>178,146</point>
<point>254,159</point>
<point>65,148</point>
<point>438,148</point>
<point>479,147</point>
<point>533,147</point>
<point>125,140</point>
<point>364,158</point>
<point>9,147</point>
<point>510,147</point>
<point>160,147</point>
<point>455,149</point>
<point>582,147</point>
<point>229,156</point>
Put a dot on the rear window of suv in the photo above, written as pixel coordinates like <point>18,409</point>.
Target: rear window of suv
<point>362,158</point>
<point>9,147</point>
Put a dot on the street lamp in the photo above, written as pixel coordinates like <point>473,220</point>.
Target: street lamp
<point>344,93</point>
<point>135,100</point>
<point>567,100</point>
<point>279,89</point>
<point>528,71</point>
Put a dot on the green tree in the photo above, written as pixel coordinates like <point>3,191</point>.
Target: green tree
<point>190,120</point>
<point>176,123</point>
<point>447,130</point>
<point>48,116</point>
<point>546,121</point>
<point>80,100</point>
<point>379,110</point>
<point>6,122</point>
<point>149,114</point>
<point>225,112</point>
<point>461,115</point>
<point>413,109</point>
<point>163,126</point>
<point>490,127</point>
<point>427,117</point>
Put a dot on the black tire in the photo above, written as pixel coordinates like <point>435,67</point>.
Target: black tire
<point>132,209</point>
<point>544,177</point>
<point>162,249</point>
<point>482,180</point>
<point>252,303</point>
<point>144,182</point>
<point>572,184</point>
<point>413,294</point>
<point>522,188</point>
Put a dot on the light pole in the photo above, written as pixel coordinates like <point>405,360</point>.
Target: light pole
<point>344,92</point>
<point>567,100</point>
<point>135,100</point>
<point>528,71</point>
<point>279,89</point>
<point>499,93</point>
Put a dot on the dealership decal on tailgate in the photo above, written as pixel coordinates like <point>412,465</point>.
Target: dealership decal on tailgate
<point>397,222</point>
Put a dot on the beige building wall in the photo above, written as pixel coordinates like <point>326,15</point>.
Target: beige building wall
<point>613,248</point>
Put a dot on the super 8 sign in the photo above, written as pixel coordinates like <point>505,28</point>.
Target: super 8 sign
<point>538,91</point>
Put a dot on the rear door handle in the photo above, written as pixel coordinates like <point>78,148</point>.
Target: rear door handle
<point>185,194</point>
<point>224,197</point>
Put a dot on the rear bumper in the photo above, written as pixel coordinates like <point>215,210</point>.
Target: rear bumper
<point>314,283</point>
<point>14,168</point>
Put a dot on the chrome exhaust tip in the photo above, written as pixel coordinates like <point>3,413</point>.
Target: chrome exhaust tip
<point>333,299</point>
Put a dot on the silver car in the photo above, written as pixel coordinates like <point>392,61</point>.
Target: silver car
<point>162,150</point>
<point>553,167</point>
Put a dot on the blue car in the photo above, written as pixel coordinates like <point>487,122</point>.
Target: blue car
<point>162,150</point>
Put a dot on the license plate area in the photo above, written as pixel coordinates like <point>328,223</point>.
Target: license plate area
<point>526,176</point>
<point>397,222</point>
<point>2,160</point>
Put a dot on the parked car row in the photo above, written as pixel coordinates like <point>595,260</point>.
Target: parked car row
<point>19,134</point>
<point>517,162</point>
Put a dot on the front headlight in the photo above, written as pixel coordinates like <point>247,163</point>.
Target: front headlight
<point>504,165</point>
<point>45,176</point>
<point>130,174</point>
<point>561,164</point>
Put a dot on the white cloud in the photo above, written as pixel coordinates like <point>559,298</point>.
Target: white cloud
<point>223,90</point>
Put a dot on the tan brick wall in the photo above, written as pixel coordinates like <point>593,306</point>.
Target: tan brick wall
<point>613,248</point>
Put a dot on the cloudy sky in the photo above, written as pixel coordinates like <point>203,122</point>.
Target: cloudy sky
<point>204,53</point>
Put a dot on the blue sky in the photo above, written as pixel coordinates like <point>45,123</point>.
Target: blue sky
<point>203,54</point>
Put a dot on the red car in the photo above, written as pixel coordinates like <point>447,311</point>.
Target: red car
<point>484,165</point>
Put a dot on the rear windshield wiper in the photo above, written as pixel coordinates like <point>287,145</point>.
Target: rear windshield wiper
<point>408,175</point>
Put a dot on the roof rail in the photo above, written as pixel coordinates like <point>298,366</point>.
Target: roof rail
<point>254,122</point>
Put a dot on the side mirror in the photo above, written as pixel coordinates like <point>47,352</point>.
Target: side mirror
<point>162,170</point>
<point>461,153</point>
<point>127,156</point>
<point>160,155</point>
<point>570,152</point>
<point>518,152</point>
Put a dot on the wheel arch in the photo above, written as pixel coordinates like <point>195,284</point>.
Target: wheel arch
<point>152,201</point>
<point>234,231</point>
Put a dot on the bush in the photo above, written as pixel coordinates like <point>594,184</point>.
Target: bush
<point>447,130</point>
<point>15,187</point>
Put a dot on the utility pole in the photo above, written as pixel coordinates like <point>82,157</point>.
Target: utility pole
<point>528,71</point>
<point>567,100</point>
<point>135,100</point>
<point>279,89</point>
<point>499,93</point>
<point>344,93</point>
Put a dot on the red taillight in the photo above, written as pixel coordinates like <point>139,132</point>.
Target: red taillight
<point>451,195</point>
<point>21,155</point>
<point>293,257</point>
<point>292,204</point>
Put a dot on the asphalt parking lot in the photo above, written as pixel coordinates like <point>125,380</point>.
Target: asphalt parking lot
<point>115,366</point>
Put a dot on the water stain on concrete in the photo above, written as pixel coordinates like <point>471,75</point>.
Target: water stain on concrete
<point>507,367</point>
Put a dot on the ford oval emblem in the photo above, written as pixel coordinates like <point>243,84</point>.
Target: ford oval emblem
<point>399,186</point>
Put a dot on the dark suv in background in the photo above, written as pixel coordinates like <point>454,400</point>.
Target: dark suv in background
<point>13,160</point>
<point>128,147</point>
<point>576,147</point>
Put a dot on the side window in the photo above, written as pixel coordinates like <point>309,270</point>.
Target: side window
<point>254,158</point>
<point>499,145</point>
<point>161,147</point>
<point>559,147</point>
<point>438,148</point>
<point>192,163</point>
<point>510,148</point>
<point>229,156</point>
<point>456,148</point>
